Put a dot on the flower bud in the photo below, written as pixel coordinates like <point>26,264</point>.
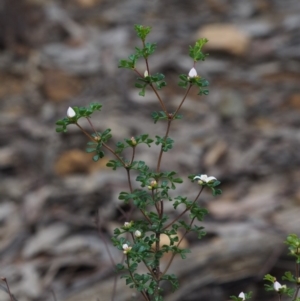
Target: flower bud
<point>277,286</point>
<point>192,73</point>
<point>242,296</point>
<point>146,73</point>
<point>126,249</point>
<point>133,141</point>
<point>128,225</point>
<point>137,233</point>
<point>153,184</point>
<point>71,113</point>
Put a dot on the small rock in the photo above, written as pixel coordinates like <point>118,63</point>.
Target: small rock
<point>224,37</point>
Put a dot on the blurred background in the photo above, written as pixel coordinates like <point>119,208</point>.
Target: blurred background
<point>57,205</point>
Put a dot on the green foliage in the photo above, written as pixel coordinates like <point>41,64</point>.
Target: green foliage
<point>80,113</point>
<point>293,242</point>
<point>97,146</point>
<point>166,143</point>
<point>130,63</point>
<point>247,297</point>
<point>159,116</point>
<point>142,31</point>
<point>140,239</point>
<point>198,81</point>
<point>146,51</point>
<point>157,79</point>
<point>133,142</point>
<point>196,52</point>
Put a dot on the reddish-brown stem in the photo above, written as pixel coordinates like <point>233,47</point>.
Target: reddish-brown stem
<point>179,107</point>
<point>10,295</point>
<point>184,211</point>
<point>161,150</point>
<point>86,133</point>
<point>142,292</point>
<point>92,126</point>
<point>104,144</point>
<point>133,154</point>
<point>115,154</point>
<point>159,98</point>
<point>129,179</point>
<point>161,209</point>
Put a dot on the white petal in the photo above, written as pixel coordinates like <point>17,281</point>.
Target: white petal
<point>203,178</point>
<point>197,178</point>
<point>71,113</point>
<point>242,296</point>
<point>146,73</point>
<point>193,73</point>
<point>210,179</point>
<point>137,233</point>
<point>277,286</point>
<point>125,247</point>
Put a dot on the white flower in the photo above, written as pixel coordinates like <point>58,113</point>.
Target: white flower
<point>277,286</point>
<point>192,73</point>
<point>137,233</point>
<point>242,296</point>
<point>126,248</point>
<point>71,113</point>
<point>146,73</point>
<point>127,225</point>
<point>204,179</point>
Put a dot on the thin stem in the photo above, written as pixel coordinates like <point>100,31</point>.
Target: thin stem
<point>10,295</point>
<point>86,133</point>
<point>157,267</point>
<point>297,277</point>
<point>104,145</point>
<point>133,154</point>
<point>130,273</point>
<point>159,98</point>
<point>92,126</point>
<point>151,85</point>
<point>184,211</point>
<point>129,179</point>
<point>161,209</point>
<point>161,150</point>
<point>186,94</point>
<point>115,154</point>
<point>174,254</point>
<point>154,90</point>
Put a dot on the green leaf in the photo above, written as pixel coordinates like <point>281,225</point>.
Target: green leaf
<point>142,31</point>
<point>96,158</point>
<point>195,51</point>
